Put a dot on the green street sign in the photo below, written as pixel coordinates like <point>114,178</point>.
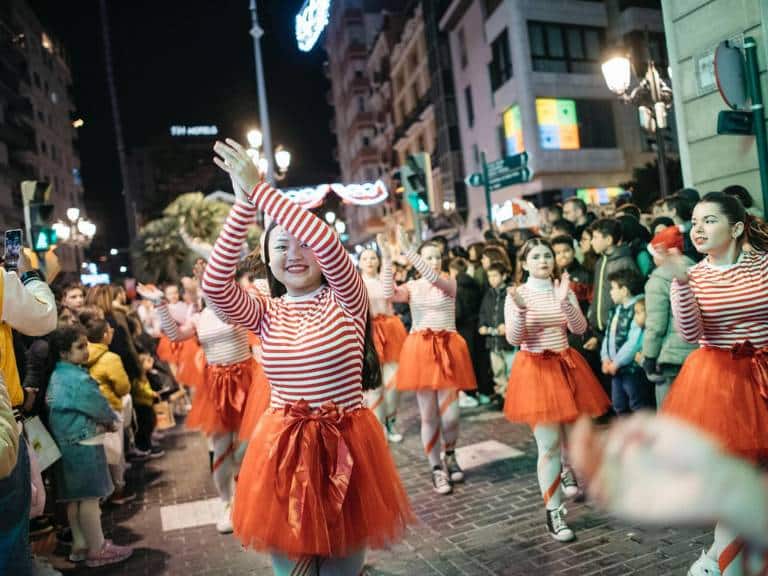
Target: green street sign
<point>508,178</point>
<point>474,180</point>
<point>516,161</point>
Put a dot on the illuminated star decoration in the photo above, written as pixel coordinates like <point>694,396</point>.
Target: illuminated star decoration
<point>310,22</point>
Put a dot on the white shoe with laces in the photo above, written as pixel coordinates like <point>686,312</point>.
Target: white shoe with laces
<point>467,401</point>
<point>224,525</point>
<point>440,482</point>
<point>704,566</point>
<point>568,483</point>
<point>557,526</point>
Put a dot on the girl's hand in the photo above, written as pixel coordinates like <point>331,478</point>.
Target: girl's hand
<point>562,287</point>
<point>151,292</point>
<point>384,247</point>
<point>403,240</point>
<point>673,261</point>
<point>517,298</point>
<point>232,158</point>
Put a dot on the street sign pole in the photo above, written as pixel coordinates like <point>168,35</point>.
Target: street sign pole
<point>487,188</point>
<point>758,116</point>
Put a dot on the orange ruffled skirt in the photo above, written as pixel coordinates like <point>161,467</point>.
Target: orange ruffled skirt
<point>389,335</point>
<point>259,397</point>
<point>219,403</point>
<point>552,387</point>
<point>167,350</point>
<point>319,482</point>
<point>191,364</point>
<point>433,360</point>
<point>724,392</point>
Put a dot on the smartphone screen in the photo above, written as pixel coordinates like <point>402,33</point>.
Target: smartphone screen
<point>12,248</point>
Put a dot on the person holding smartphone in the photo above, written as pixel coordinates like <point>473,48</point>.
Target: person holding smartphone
<point>28,306</point>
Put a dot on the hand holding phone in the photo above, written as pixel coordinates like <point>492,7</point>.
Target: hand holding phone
<point>12,248</point>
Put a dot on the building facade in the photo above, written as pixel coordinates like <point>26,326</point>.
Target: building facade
<point>37,113</point>
<point>527,76</point>
<point>694,28</point>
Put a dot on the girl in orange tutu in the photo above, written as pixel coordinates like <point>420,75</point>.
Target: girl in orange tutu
<point>318,485</point>
<point>434,360</point>
<point>388,337</point>
<point>722,303</point>
<point>220,397</point>
<point>550,384</point>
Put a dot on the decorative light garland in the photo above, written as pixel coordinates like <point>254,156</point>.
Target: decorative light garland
<point>310,22</point>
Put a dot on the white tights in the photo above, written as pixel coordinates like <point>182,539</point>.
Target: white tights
<point>84,518</point>
<point>439,411</point>
<point>319,566</point>
<point>549,439</point>
<point>384,399</point>
<point>224,467</point>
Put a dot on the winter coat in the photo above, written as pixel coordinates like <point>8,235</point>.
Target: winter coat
<point>77,410</point>
<point>107,369</point>
<point>142,392</point>
<point>492,314</point>
<point>621,346</point>
<point>661,341</point>
<point>620,259</point>
<point>9,434</point>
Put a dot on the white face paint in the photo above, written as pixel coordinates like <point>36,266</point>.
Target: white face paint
<point>293,263</point>
<point>369,263</point>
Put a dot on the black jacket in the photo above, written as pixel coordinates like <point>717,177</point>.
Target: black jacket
<point>492,314</point>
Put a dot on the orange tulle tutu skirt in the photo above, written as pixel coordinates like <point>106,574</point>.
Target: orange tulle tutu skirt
<point>724,392</point>
<point>550,387</point>
<point>167,350</point>
<point>388,337</point>
<point>258,401</point>
<point>435,361</point>
<point>191,364</point>
<point>319,482</point>
<point>218,405</point>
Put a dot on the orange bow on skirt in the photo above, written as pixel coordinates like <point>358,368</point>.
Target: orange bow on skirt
<point>435,360</point>
<point>218,405</point>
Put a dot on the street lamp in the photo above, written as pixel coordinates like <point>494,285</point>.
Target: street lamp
<point>76,232</point>
<point>652,96</point>
<point>282,157</point>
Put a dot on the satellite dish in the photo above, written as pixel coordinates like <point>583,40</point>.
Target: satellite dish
<point>730,75</point>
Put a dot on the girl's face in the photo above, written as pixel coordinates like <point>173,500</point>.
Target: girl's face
<point>433,257</point>
<point>540,262</point>
<point>77,353</point>
<point>369,263</point>
<point>293,263</point>
<point>640,313</point>
<point>585,242</point>
<point>172,294</point>
<point>710,230</point>
<point>485,262</point>
<point>73,299</point>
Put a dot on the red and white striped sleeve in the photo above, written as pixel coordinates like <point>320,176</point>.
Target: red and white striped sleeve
<point>176,332</point>
<point>685,310</point>
<point>219,285</point>
<point>391,290</point>
<point>447,285</point>
<point>577,324</point>
<point>337,266</point>
<point>514,322</point>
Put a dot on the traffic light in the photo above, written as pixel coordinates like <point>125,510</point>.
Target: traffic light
<point>416,176</point>
<point>39,214</point>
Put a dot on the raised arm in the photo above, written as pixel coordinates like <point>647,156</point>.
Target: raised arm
<point>514,318</point>
<point>391,290</point>
<point>686,312</point>
<point>219,284</point>
<point>29,308</point>
<point>447,285</point>
<point>176,332</point>
<point>337,266</point>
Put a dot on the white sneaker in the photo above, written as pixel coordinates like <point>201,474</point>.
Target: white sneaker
<point>704,566</point>
<point>392,434</point>
<point>568,483</point>
<point>557,526</point>
<point>467,401</point>
<point>451,465</point>
<point>440,482</point>
<point>224,525</point>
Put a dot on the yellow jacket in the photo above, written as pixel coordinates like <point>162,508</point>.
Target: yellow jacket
<point>9,433</point>
<point>142,392</point>
<point>107,369</point>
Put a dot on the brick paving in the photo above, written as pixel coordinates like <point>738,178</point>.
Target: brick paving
<point>493,524</point>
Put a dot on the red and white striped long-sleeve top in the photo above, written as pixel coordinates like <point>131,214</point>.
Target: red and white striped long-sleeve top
<point>222,343</point>
<point>378,300</point>
<point>721,306</point>
<point>544,323</point>
<point>313,344</point>
<point>432,298</point>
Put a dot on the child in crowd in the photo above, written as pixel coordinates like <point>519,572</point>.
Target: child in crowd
<point>630,390</point>
<point>565,258</point>
<point>78,418</point>
<point>491,321</point>
<point>144,399</point>
<point>107,369</point>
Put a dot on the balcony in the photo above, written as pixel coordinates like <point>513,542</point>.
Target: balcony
<point>413,115</point>
<point>365,156</point>
<point>359,84</point>
<point>362,120</point>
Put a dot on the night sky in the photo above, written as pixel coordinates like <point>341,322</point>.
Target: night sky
<point>188,63</point>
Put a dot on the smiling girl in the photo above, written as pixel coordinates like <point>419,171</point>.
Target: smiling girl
<point>550,385</point>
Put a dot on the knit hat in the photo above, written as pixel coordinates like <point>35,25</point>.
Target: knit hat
<point>669,238</point>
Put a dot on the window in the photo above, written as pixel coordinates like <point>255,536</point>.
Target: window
<point>500,67</point>
<point>54,156</point>
<point>361,104</point>
<point>43,147</point>
<point>462,48</point>
<point>36,77</point>
<point>566,124</point>
<point>565,49</point>
<point>596,126</point>
<point>490,6</point>
<point>366,142</point>
<point>470,107</point>
<point>40,116</point>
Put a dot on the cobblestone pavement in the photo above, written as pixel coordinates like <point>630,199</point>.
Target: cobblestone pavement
<point>493,524</point>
